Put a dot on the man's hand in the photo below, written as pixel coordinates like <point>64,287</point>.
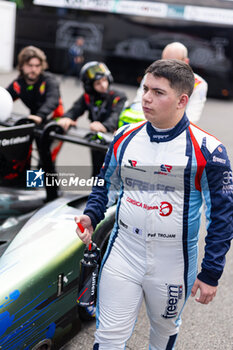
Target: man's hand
<point>97,127</point>
<point>66,123</point>
<point>35,118</point>
<point>85,221</point>
<point>79,59</point>
<point>207,292</point>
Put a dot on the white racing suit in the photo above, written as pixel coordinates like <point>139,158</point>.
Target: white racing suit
<point>161,178</point>
<point>196,101</point>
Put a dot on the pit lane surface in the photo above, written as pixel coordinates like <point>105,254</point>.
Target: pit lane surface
<point>205,327</point>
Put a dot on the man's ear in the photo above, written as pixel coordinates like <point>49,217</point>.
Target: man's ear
<point>183,100</point>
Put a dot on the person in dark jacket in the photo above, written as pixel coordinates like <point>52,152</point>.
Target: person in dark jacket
<point>103,104</point>
<point>38,90</point>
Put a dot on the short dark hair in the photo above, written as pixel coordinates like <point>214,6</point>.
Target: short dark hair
<point>29,52</point>
<point>178,73</point>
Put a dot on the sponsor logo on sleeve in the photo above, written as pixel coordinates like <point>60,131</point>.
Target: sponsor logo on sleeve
<point>16,87</point>
<point>227,177</point>
<point>227,182</point>
<point>42,88</point>
<point>219,160</point>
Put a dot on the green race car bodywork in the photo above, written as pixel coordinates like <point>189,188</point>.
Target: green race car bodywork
<point>39,277</point>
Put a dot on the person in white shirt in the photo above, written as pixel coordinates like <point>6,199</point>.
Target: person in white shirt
<point>177,50</point>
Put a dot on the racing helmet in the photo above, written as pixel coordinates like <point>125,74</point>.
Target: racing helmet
<point>93,71</point>
<point>6,104</point>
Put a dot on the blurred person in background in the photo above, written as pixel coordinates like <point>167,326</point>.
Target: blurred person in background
<point>76,57</point>
<point>194,109</point>
<point>103,103</point>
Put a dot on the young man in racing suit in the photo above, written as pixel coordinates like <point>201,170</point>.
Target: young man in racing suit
<point>38,90</point>
<point>164,167</point>
<point>103,104</point>
<point>195,106</point>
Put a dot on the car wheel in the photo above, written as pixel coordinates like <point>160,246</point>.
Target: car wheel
<point>101,239</point>
<point>45,344</point>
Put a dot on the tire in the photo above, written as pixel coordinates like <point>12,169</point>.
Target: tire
<point>45,344</point>
<point>101,239</point>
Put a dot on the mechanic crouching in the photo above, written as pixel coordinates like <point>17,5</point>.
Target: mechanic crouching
<point>103,103</point>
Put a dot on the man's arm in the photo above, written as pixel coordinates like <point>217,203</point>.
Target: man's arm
<point>104,196</point>
<point>69,118</point>
<point>217,188</point>
<point>99,197</point>
<point>84,231</point>
<point>78,108</point>
<point>52,95</point>
<point>139,92</point>
<point>14,90</point>
<point>197,101</point>
<point>207,292</point>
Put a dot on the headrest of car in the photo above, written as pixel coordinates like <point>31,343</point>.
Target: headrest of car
<point>6,104</point>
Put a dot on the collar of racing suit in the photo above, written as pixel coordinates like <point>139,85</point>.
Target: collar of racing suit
<point>167,135</point>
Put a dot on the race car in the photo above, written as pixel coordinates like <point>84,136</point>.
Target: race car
<point>39,275</point>
<point>40,252</point>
